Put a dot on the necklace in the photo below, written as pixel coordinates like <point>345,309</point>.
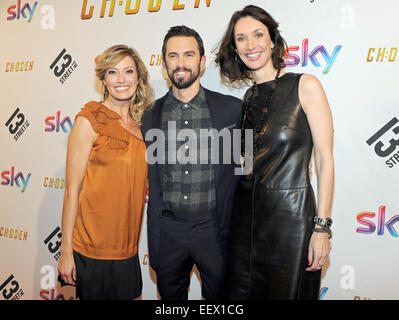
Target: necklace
<point>258,127</point>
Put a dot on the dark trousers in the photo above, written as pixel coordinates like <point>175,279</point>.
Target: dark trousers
<point>183,243</point>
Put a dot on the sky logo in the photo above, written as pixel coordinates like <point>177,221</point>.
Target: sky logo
<point>55,123</point>
<point>11,178</point>
<point>323,292</point>
<point>381,224</point>
<point>26,11</point>
<point>292,60</point>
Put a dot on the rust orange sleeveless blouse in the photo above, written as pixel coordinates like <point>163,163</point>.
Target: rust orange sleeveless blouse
<point>112,199</point>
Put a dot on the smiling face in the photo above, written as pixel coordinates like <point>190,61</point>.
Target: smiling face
<point>121,80</point>
<point>253,43</point>
<point>182,61</point>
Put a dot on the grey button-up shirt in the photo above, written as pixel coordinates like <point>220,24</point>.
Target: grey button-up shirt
<point>188,175</point>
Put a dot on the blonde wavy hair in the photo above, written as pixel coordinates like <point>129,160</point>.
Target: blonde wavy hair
<point>143,99</point>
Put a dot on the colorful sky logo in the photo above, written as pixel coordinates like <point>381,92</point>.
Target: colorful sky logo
<point>363,216</point>
<point>26,11</point>
<point>293,60</point>
<point>55,123</point>
<point>323,292</point>
<point>9,177</point>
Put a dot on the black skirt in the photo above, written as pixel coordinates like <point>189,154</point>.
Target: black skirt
<point>107,279</point>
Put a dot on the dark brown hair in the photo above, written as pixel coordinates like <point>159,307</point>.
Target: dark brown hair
<point>183,31</point>
<point>232,68</point>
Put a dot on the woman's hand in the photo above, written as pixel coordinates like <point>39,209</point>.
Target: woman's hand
<point>319,249</point>
<point>67,268</point>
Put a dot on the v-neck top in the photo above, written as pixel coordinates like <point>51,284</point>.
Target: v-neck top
<point>112,198</point>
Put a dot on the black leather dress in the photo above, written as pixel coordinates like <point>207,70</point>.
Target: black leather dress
<point>274,207</point>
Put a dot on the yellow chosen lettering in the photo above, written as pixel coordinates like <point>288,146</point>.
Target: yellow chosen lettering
<point>132,11</point>
<point>85,15</point>
<point>111,10</point>
<point>380,54</point>
<point>151,7</point>
<point>132,8</point>
<point>197,2</point>
<point>56,183</point>
<point>156,60</point>
<point>177,6</point>
<point>369,59</point>
<point>13,233</point>
<point>392,54</point>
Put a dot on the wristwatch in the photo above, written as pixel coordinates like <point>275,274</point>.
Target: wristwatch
<point>323,222</point>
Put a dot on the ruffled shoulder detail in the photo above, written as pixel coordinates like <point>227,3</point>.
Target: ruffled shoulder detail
<point>105,122</point>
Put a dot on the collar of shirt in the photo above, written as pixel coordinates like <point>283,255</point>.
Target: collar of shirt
<point>194,103</point>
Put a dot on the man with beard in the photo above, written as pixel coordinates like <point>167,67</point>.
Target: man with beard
<point>190,196</point>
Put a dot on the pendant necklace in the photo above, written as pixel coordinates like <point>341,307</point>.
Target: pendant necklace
<point>258,127</point>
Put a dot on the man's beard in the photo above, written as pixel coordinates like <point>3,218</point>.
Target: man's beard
<point>184,82</point>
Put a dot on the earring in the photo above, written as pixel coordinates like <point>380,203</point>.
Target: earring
<point>235,55</point>
<point>272,52</point>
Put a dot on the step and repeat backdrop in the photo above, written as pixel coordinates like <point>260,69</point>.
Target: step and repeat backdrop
<point>47,74</point>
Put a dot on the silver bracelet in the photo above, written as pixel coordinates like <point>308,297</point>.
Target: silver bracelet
<point>323,222</point>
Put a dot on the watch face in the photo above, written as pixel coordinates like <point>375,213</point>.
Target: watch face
<point>323,221</point>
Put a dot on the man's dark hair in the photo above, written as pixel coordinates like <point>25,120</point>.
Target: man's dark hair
<point>183,31</point>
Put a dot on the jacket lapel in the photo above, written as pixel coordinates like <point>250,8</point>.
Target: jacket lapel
<point>217,123</point>
<point>155,122</point>
<point>215,109</point>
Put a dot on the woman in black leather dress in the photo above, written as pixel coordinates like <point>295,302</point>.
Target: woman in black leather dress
<point>277,251</point>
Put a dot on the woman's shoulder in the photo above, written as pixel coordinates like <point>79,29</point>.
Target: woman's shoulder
<point>94,107</point>
<point>309,83</point>
<point>97,112</point>
<point>102,119</point>
<point>292,76</point>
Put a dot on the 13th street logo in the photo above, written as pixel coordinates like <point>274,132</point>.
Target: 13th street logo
<point>53,243</point>
<point>63,66</point>
<point>10,289</point>
<point>385,147</point>
<point>17,124</point>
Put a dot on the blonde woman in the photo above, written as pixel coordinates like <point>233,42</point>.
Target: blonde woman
<point>106,179</point>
